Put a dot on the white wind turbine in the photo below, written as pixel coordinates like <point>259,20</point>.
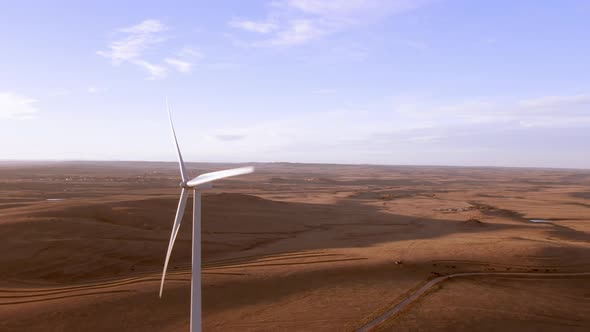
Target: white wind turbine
<point>197,184</point>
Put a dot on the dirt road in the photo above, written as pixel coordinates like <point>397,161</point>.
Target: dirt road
<point>400,306</point>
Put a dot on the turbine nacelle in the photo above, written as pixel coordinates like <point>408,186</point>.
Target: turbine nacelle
<point>185,185</point>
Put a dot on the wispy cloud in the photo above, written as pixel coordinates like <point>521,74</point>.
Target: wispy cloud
<point>17,106</point>
<point>253,26</point>
<point>551,111</point>
<point>325,7</point>
<point>131,48</point>
<point>180,65</point>
<point>93,90</point>
<point>462,131</point>
<point>297,32</point>
<point>146,27</point>
<point>557,101</point>
<point>190,52</point>
<point>155,71</point>
<point>297,22</point>
<point>140,38</point>
<point>185,59</point>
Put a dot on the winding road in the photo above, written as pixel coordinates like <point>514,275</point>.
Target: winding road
<point>415,295</point>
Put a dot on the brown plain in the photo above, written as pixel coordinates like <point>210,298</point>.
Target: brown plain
<point>294,247</point>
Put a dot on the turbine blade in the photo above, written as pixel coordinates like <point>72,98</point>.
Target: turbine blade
<point>175,228</point>
<point>183,173</point>
<point>208,177</point>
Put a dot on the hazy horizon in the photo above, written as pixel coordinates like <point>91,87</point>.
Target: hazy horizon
<point>428,82</point>
<point>174,163</point>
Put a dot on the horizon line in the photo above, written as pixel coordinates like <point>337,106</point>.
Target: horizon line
<point>278,162</point>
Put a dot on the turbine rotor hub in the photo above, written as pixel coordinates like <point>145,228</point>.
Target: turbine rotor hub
<point>183,185</point>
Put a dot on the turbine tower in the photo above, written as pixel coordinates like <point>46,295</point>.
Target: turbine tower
<point>196,185</point>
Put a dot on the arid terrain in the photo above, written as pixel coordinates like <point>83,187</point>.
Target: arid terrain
<point>295,247</point>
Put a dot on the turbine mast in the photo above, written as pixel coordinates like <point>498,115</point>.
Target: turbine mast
<point>196,185</point>
<point>196,307</point>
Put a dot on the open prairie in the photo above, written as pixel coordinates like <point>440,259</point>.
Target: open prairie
<point>295,247</point>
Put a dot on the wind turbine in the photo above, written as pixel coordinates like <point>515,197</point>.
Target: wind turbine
<point>196,185</point>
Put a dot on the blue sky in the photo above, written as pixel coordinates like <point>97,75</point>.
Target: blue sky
<point>442,82</point>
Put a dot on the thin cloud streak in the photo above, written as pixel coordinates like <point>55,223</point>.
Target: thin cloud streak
<point>298,22</point>
<point>557,101</point>
<point>180,65</point>
<point>16,106</point>
<point>155,71</point>
<point>139,39</point>
<point>253,26</point>
<point>423,126</point>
